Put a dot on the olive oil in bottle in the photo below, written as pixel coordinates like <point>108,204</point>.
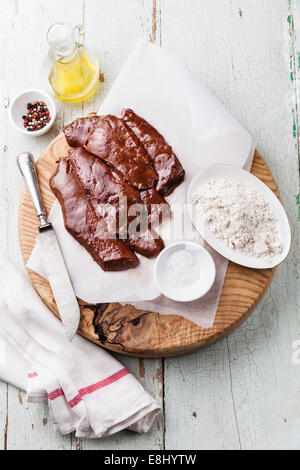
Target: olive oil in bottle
<point>74,70</point>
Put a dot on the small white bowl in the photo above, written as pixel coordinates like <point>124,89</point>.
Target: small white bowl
<point>18,108</point>
<point>193,291</point>
<point>252,182</point>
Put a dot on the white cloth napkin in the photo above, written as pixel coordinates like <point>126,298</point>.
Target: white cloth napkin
<point>87,390</point>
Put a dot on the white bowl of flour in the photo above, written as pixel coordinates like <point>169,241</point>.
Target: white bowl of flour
<point>239,216</point>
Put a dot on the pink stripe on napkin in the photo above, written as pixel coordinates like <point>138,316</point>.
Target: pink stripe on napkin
<point>86,390</point>
<point>32,374</point>
<point>92,388</point>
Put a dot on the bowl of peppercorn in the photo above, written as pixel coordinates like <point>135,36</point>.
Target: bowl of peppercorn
<point>32,112</point>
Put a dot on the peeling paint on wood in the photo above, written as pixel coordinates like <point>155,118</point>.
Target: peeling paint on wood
<point>240,388</point>
<point>83,12</point>
<point>5,434</point>
<point>298,206</point>
<point>160,374</point>
<point>142,367</point>
<point>154,22</point>
<point>6,102</point>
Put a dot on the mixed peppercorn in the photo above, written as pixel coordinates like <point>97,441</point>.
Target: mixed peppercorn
<point>37,116</point>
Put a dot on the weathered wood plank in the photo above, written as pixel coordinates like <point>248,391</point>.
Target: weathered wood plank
<point>26,428</point>
<point>293,52</point>
<point>30,428</point>
<point>243,392</point>
<point>112,29</point>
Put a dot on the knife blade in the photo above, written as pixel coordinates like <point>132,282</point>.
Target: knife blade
<point>51,254</point>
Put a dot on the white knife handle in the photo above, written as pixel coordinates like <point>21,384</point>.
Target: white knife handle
<point>27,168</point>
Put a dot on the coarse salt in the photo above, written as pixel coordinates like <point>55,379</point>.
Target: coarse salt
<point>183,268</point>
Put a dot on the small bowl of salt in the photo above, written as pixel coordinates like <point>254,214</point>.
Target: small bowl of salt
<point>184,271</point>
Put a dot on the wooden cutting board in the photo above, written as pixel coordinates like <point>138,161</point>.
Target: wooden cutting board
<point>140,333</point>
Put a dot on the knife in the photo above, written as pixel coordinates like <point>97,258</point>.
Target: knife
<point>50,251</point>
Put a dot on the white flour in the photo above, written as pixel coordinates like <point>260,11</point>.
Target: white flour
<point>239,216</point>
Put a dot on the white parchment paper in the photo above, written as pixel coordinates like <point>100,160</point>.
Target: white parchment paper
<point>159,88</point>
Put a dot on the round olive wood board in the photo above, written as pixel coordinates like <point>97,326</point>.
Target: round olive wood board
<point>140,333</point>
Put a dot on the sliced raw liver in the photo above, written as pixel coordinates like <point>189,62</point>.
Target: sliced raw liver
<point>113,142</point>
<point>156,205</point>
<point>78,131</point>
<point>104,187</point>
<point>166,164</point>
<point>147,243</point>
<point>128,155</point>
<point>81,222</point>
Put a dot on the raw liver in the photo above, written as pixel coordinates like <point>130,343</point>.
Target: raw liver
<point>103,185</point>
<point>81,222</point>
<point>114,143</point>
<point>103,188</point>
<point>155,204</point>
<point>147,243</point>
<point>124,157</point>
<point>167,166</point>
<point>78,131</point>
